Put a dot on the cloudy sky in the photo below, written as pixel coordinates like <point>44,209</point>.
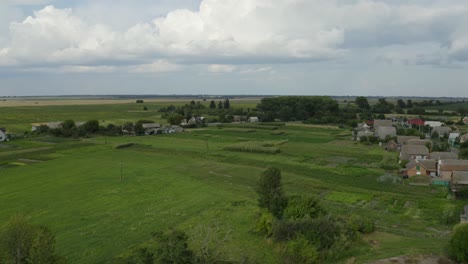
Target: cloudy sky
<point>307,47</point>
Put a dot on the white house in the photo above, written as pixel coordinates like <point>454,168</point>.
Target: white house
<point>433,123</point>
<point>3,136</point>
<point>253,119</point>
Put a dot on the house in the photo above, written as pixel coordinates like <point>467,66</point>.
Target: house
<point>152,128</point>
<point>383,132</point>
<point>447,167</point>
<point>459,180</point>
<point>177,129</point>
<point>433,123</point>
<point>361,134</point>
<point>239,118</point>
<point>403,140</point>
<point>441,130</point>
<point>421,167</point>
<point>414,152</point>
<point>253,119</point>
<point>415,121</point>
<point>421,142</point>
<point>443,155</point>
<point>3,135</point>
<point>464,216</point>
<point>382,123</point>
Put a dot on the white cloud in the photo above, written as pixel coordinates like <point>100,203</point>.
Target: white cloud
<point>227,32</point>
<point>219,68</point>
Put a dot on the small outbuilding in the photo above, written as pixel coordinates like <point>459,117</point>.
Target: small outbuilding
<point>253,119</point>
<point>3,135</point>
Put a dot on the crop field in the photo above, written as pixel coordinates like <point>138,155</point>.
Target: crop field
<point>100,200</point>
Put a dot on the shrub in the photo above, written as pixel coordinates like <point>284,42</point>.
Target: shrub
<point>458,244</point>
<point>126,145</point>
<point>299,207</point>
<point>265,224</point>
<point>300,250</point>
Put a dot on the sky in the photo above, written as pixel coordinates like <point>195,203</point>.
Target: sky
<point>251,47</point>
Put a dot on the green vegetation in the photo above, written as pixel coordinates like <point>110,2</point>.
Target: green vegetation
<point>106,202</point>
<point>458,244</point>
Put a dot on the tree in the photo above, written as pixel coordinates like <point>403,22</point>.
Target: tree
<point>220,105</point>
<point>401,103</point>
<point>68,125</point>
<point>409,103</point>
<point>173,248</point>
<point>270,192</point>
<point>226,104</point>
<point>212,105</point>
<point>91,126</point>
<point>175,119</point>
<point>458,244</point>
<point>362,102</point>
<point>21,242</point>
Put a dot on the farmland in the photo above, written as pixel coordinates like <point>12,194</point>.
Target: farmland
<point>192,179</point>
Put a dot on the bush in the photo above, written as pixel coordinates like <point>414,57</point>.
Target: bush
<point>458,244</point>
<point>265,224</point>
<point>300,207</point>
<point>300,250</point>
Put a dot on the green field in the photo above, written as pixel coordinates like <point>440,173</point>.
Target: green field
<point>191,180</point>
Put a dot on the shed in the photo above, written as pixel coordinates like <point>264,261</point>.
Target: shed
<point>253,119</point>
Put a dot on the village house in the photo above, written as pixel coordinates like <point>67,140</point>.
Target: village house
<point>443,155</point>
<point>403,140</point>
<point>414,152</point>
<point>3,135</point>
<point>421,142</point>
<point>152,128</point>
<point>441,130</point>
<point>447,167</point>
<point>459,180</point>
<point>464,215</point>
<point>362,134</point>
<point>253,119</point>
<point>382,123</point>
<point>433,124</point>
<point>383,132</point>
<point>415,121</point>
<point>421,167</point>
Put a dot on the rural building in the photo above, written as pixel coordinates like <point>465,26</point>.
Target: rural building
<point>3,135</point>
<point>172,129</point>
<point>464,215</point>
<point>459,180</point>
<point>383,132</point>
<point>421,167</point>
<point>152,128</point>
<point>420,142</point>
<point>382,123</point>
<point>415,121</point>
<point>414,152</point>
<point>443,155</point>
<point>403,140</point>
<point>433,123</point>
<point>239,118</point>
<point>441,130</point>
<point>361,134</point>
<point>253,119</point>
<point>446,168</point>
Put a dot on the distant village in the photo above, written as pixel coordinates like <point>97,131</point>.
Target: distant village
<point>418,154</point>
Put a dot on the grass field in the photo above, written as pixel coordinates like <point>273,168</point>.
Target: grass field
<point>190,179</point>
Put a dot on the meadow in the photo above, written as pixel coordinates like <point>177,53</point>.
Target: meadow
<point>100,200</point>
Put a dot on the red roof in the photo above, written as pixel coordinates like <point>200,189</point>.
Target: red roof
<point>416,121</point>
<point>370,122</point>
